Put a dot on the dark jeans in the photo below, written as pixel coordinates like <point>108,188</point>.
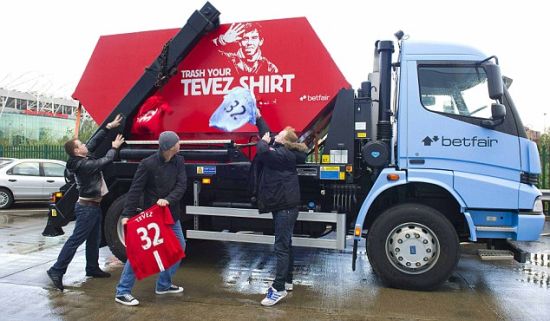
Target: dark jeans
<point>87,228</point>
<point>283,222</point>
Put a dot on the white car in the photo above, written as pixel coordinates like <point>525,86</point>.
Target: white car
<point>29,179</point>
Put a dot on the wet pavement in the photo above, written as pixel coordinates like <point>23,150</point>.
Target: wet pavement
<point>226,281</point>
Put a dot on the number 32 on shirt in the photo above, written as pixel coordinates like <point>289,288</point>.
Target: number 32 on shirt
<point>144,235</point>
<point>147,243</point>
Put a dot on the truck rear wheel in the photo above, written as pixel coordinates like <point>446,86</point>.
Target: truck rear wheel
<point>114,234</point>
<point>413,246</point>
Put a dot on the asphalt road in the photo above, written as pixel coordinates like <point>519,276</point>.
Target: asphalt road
<point>226,281</point>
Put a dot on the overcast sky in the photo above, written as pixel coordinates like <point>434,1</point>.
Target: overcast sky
<point>45,45</point>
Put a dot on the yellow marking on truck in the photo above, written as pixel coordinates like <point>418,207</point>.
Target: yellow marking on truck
<point>325,159</point>
<point>330,168</point>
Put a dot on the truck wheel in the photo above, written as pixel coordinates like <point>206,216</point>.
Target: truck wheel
<point>6,198</point>
<point>114,234</point>
<point>413,246</point>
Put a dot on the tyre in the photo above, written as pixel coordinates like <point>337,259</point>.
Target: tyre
<point>114,233</point>
<point>6,198</point>
<point>413,246</point>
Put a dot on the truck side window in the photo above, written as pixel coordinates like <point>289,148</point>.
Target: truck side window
<point>458,90</point>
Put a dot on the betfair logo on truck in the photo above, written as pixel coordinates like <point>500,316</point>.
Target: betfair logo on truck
<point>459,141</point>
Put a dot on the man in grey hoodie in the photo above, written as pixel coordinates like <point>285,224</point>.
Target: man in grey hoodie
<point>91,187</point>
<point>160,179</point>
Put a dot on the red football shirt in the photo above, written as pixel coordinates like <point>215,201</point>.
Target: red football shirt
<point>151,245</point>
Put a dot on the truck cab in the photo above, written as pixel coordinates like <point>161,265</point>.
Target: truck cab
<point>461,166</point>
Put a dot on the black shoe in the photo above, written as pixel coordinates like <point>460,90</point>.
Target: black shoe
<point>98,274</point>
<point>126,299</point>
<point>57,279</point>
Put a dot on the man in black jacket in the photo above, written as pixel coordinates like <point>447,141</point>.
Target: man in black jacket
<point>279,193</point>
<point>91,187</point>
<point>161,179</point>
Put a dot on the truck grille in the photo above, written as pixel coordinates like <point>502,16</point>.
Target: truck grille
<point>528,178</point>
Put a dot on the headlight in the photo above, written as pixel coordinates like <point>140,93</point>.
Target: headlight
<point>538,208</point>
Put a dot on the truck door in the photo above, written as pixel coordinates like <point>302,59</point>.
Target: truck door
<point>442,128</point>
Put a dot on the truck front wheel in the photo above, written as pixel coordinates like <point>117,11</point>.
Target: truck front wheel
<point>413,246</point>
<point>114,233</point>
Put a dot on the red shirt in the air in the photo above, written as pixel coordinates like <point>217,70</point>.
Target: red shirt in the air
<point>151,245</point>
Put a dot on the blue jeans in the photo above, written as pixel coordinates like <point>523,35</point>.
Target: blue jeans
<point>87,228</point>
<point>164,281</point>
<point>283,222</point>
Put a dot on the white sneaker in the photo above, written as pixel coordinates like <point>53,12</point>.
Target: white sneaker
<point>273,296</point>
<point>289,286</point>
<point>171,289</point>
<point>126,299</point>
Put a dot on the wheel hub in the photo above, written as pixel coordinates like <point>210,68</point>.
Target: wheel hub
<point>120,230</point>
<point>412,248</point>
<point>3,199</point>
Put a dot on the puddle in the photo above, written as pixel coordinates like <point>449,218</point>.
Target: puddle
<point>536,270</point>
<point>5,220</point>
<point>539,259</point>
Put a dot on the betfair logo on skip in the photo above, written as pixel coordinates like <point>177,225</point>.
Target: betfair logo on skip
<point>314,98</point>
<point>460,142</point>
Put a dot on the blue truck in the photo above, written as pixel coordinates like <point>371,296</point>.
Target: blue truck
<point>460,166</point>
<point>429,152</point>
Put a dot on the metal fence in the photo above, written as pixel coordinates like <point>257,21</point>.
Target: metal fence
<point>58,152</point>
<point>544,180</point>
<point>38,151</point>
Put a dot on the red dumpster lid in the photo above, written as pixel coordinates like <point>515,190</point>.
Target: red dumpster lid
<point>291,73</point>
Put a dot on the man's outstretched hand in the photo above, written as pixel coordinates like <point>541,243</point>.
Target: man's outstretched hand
<point>119,140</point>
<point>115,123</point>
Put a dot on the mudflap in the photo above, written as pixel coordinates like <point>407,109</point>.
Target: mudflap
<point>55,222</point>
<point>520,255</point>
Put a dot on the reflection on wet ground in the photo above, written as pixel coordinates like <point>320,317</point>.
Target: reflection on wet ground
<point>540,259</point>
<point>226,281</point>
<point>537,270</point>
<point>539,278</point>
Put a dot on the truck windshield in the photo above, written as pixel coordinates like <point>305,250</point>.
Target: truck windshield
<point>458,90</point>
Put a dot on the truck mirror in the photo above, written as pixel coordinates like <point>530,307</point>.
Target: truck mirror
<point>498,111</point>
<point>494,80</point>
